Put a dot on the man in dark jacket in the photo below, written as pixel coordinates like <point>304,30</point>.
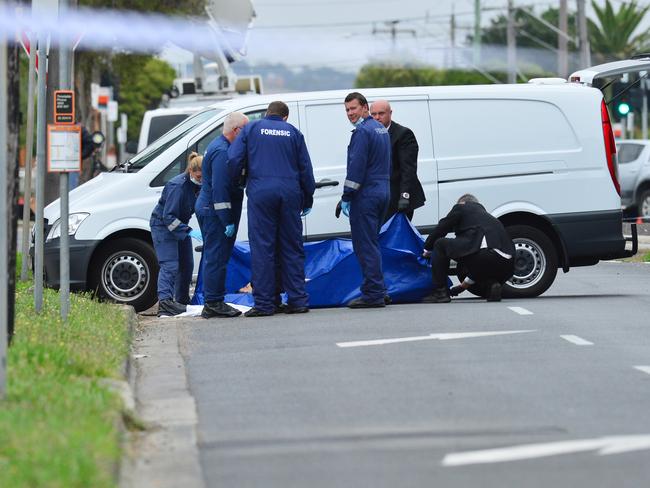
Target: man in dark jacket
<point>406,193</point>
<point>482,248</point>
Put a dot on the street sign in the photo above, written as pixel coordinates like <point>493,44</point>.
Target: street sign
<point>112,111</point>
<point>64,107</point>
<point>64,148</point>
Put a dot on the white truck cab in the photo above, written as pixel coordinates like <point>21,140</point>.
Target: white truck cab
<point>539,156</point>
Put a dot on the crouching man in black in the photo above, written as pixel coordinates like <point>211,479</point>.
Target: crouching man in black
<point>481,247</point>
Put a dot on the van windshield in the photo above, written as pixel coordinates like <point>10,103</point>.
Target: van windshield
<point>170,138</point>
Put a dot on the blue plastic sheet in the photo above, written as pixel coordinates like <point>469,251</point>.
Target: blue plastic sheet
<point>332,270</point>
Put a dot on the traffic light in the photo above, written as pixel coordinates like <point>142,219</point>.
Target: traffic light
<point>623,108</point>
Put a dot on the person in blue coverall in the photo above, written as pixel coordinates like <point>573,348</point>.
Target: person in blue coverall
<point>366,194</point>
<point>218,210</point>
<point>280,188</point>
<point>172,238</point>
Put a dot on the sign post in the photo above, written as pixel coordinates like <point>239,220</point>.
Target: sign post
<point>4,248</point>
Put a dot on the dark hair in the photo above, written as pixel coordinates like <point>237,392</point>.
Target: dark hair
<point>278,108</point>
<point>468,197</point>
<point>356,96</point>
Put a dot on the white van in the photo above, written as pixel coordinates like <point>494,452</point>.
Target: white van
<point>539,156</point>
<point>157,122</point>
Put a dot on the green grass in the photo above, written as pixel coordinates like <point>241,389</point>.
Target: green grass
<point>646,257</point>
<point>58,424</point>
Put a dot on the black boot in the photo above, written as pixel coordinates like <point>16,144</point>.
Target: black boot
<point>439,295</point>
<point>361,303</point>
<point>170,307</point>
<point>256,312</point>
<point>387,299</point>
<point>291,309</point>
<point>494,292</point>
<point>218,309</point>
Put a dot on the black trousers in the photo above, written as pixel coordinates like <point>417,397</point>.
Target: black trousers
<point>483,266</point>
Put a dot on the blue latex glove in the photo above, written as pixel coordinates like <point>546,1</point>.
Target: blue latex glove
<point>345,207</point>
<point>305,212</point>
<point>230,230</point>
<point>195,234</point>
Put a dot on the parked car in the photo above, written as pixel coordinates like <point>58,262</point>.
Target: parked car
<point>539,156</point>
<point>634,175</point>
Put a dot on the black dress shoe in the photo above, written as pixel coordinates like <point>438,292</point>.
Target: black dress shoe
<point>361,303</point>
<point>218,309</point>
<point>494,292</point>
<point>170,307</point>
<point>439,295</point>
<point>281,308</point>
<point>291,309</point>
<point>387,299</point>
<point>256,312</point>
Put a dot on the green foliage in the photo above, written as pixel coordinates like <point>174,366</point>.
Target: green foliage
<point>612,37</point>
<point>58,424</point>
<point>142,81</point>
<point>646,257</point>
<point>379,75</point>
<point>529,32</point>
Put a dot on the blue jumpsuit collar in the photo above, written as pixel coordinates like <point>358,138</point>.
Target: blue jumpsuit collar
<point>274,117</point>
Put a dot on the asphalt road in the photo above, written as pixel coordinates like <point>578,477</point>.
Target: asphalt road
<point>562,393</point>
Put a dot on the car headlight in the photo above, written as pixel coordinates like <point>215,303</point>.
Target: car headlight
<point>74,221</point>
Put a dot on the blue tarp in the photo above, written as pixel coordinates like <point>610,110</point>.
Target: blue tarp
<point>332,270</point>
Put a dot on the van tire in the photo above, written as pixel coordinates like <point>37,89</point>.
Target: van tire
<point>643,206</point>
<point>536,262</point>
<point>125,270</point>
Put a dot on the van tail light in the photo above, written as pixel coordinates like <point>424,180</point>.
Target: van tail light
<point>610,147</point>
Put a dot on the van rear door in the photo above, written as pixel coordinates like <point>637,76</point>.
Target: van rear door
<point>635,64</point>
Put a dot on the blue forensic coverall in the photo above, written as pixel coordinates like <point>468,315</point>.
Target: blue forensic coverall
<point>280,184</point>
<point>367,188</point>
<point>171,241</point>
<point>219,204</point>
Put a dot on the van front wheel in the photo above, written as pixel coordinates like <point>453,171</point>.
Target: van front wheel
<point>536,262</point>
<point>126,271</point>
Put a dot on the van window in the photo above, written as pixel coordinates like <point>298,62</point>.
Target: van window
<point>204,142</point>
<point>629,152</point>
<point>169,139</point>
<point>479,128</point>
<point>162,124</point>
<point>174,169</point>
<point>330,120</point>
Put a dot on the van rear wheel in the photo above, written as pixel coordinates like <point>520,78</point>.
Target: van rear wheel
<point>126,271</point>
<point>536,262</point>
<point>644,204</point>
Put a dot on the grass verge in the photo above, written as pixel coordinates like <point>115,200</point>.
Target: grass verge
<point>58,424</point>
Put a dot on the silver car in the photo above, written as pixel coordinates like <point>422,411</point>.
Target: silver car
<point>634,174</point>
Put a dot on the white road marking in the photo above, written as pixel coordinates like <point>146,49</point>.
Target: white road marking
<point>644,369</point>
<point>440,337</point>
<point>604,446</point>
<point>521,310</point>
<point>578,341</point>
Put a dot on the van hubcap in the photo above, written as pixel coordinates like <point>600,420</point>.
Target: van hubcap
<point>530,263</point>
<point>125,276</point>
<point>645,207</point>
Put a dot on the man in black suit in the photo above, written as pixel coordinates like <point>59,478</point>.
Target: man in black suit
<point>482,248</point>
<point>406,192</point>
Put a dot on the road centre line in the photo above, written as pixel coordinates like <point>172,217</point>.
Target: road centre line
<point>521,310</point>
<point>440,337</point>
<point>578,341</point>
<point>643,369</point>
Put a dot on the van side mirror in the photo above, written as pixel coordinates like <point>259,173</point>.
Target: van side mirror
<point>131,147</point>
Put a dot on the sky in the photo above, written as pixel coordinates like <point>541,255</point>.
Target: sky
<point>339,33</point>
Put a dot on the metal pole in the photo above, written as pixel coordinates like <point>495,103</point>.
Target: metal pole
<point>512,44</point>
<point>562,43</point>
<point>64,248</point>
<point>477,33</point>
<point>4,248</point>
<point>41,120</point>
<point>27,190</point>
<point>644,109</point>
<point>585,56</point>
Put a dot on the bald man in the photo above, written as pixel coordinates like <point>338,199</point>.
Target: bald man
<point>406,192</point>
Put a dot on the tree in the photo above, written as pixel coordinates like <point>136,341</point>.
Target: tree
<point>530,32</point>
<point>613,35</point>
